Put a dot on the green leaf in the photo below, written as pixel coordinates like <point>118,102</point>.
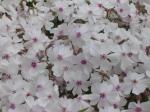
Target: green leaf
<point>83,110</point>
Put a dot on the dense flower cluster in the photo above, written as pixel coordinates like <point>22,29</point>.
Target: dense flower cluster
<point>74,56</point>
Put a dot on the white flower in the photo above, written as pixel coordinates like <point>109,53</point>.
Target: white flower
<point>107,4</point>
<point>78,83</point>
<point>125,57</point>
<point>59,53</point>
<point>139,107</point>
<point>81,61</point>
<point>116,83</point>
<point>135,82</point>
<point>95,78</point>
<point>60,31</point>
<point>63,10</point>
<point>102,95</point>
<point>105,57</point>
<point>72,105</point>
<point>31,67</point>
<point>78,33</point>
<point>109,109</point>
<point>123,10</point>
<point>62,69</point>
<point>90,12</point>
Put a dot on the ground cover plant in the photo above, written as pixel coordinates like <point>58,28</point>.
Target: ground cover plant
<point>74,55</point>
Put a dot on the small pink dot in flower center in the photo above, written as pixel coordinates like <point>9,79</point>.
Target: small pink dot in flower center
<point>118,1</point>
<point>6,56</point>
<point>61,9</point>
<point>79,98</point>
<point>138,109</point>
<point>28,94</point>
<point>121,10</point>
<point>117,87</point>
<point>35,39</point>
<point>90,12</point>
<point>115,106</point>
<point>61,32</point>
<point>78,83</point>
<point>59,57</point>
<point>118,37</point>
<point>83,62</point>
<point>64,109</point>
<point>103,56</point>
<point>12,106</point>
<point>19,65</point>
<point>78,34</point>
<point>130,54</point>
<point>49,96</point>
<point>34,64</point>
<point>66,68</point>
<point>129,16</point>
<point>39,87</point>
<point>99,5</point>
<point>44,111</point>
<point>123,54</point>
<point>102,40</point>
<point>102,95</point>
<point>135,81</point>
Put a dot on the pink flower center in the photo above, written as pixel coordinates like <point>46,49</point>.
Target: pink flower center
<point>121,10</point>
<point>35,39</point>
<point>102,95</point>
<point>59,57</point>
<point>115,106</point>
<point>135,81</point>
<point>12,106</point>
<point>103,56</point>
<point>28,94</point>
<point>118,1</point>
<point>34,64</point>
<point>123,54</point>
<point>78,83</point>
<point>39,87</point>
<point>99,5</point>
<point>130,54</point>
<point>90,12</point>
<point>64,109</point>
<point>138,109</point>
<point>117,87</point>
<point>49,96</point>
<point>118,37</point>
<point>61,32</point>
<point>6,56</point>
<point>66,68</point>
<point>83,62</point>
<point>102,40</point>
<point>78,34</point>
<point>61,9</point>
